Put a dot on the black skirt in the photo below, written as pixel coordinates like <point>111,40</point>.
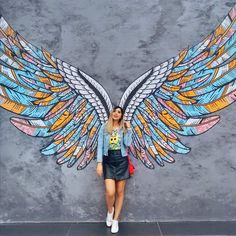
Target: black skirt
<point>115,166</point>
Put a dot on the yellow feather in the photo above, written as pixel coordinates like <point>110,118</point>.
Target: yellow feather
<point>64,119</point>
<point>165,117</point>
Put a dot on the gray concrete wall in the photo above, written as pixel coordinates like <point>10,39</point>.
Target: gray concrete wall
<point>115,42</point>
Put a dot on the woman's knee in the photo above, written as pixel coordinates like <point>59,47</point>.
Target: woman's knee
<point>110,192</point>
<point>120,192</point>
<point>120,187</point>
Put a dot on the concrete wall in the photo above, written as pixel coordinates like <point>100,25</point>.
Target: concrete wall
<point>115,42</point>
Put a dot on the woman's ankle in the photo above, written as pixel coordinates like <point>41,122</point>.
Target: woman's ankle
<point>111,210</point>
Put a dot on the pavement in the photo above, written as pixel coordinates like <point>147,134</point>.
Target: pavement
<point>189,228</point>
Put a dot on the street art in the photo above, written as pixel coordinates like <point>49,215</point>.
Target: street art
<point>178,97</point>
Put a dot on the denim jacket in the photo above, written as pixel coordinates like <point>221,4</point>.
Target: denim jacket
<point>103,142</point>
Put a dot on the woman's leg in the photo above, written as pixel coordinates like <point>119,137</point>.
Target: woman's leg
<point>110,188</point>
<point>120,191</point>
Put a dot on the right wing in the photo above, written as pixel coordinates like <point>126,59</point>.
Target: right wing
<point>179,96</point>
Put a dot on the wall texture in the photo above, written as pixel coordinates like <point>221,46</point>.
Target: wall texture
<point>115,42</point>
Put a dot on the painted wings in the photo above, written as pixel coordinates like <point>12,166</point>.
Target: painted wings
<point>54,99</point>
<point>174,98</point>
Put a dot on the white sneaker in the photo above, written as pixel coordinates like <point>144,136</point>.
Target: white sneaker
<point>114,226</point>
<point>109,217</point>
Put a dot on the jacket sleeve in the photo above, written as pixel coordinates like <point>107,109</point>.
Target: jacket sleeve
<point>128,137</point>
<point>100,144</point>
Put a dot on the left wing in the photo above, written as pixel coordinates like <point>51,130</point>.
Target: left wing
<point>174,98</point>
<point>56,99</point>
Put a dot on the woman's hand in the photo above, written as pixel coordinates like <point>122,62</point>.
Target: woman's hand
<point>99,169</point>
<point>127,124</point>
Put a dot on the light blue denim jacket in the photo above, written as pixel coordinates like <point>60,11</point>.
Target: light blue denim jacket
<point>103,142</point>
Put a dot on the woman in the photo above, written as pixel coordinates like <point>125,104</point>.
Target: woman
<point>112,162</point>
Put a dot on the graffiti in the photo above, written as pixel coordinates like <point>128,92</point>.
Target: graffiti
<point>177,97</point>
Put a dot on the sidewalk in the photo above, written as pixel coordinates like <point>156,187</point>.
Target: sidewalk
<point>126,229</point>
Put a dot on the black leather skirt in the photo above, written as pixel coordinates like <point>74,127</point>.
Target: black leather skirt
<point>115,166</point>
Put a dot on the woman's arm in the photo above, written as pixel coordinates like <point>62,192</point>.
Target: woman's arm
<point>128,137</point>
<point>100,144</point>
<point>99,168</point>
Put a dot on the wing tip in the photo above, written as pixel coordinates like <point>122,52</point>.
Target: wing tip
<point>208,123</point>
<point>149,165</point>
<point>82,166</point>
<point>23,125</point>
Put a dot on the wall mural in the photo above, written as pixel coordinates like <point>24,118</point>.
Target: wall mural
<point>178,97</point>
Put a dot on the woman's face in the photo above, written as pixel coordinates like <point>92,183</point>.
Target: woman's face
<point>116,114</point>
